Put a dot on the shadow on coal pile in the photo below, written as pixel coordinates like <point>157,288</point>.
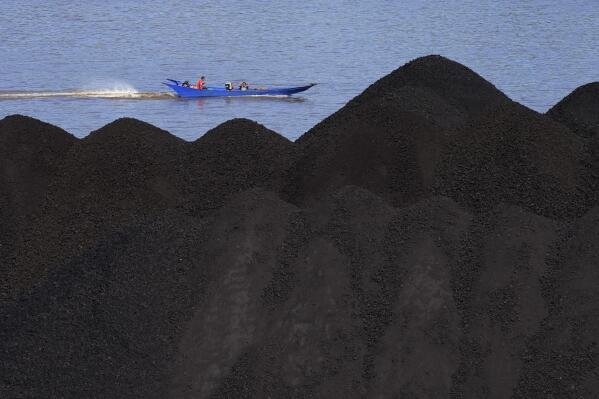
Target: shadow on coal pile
<point>432,238</point>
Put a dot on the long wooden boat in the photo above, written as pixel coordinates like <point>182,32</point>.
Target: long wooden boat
<point>214,91</point>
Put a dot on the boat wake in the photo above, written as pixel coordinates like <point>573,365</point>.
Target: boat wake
<point>126,93</point>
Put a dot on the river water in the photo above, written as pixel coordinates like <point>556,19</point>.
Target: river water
<point>80,66</point>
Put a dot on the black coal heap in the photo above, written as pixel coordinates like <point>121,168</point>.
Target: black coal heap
<point>430,239</point>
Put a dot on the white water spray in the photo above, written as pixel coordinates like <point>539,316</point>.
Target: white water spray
<point>112,90</point>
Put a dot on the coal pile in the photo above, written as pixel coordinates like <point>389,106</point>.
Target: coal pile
<point>390,138</point>
<point>113,176</point>
<point>31,153</point>
<point>578,110</point>
<point>129,170</point>
<point>514,155</point>
<point>431,239</point>
<point>233,157</point>
<point>450,82</point>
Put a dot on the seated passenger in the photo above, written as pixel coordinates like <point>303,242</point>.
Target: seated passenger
<point>243,86</point>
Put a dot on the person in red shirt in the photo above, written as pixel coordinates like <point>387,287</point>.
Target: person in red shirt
<point>201,83</point>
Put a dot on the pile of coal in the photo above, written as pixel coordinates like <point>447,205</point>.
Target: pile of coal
<point>432,238</point>
<point>390,138</point>
<point>578,110</point>
<point>233,157</point>
<point>514,155</point>
<point>31,152</point>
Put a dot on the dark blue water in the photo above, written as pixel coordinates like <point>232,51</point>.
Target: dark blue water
<point>107,60</point>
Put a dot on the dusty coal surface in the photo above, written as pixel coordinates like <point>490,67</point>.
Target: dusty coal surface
<point>431,239</point>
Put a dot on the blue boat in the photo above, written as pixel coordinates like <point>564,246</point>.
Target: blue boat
<point>213,91</point>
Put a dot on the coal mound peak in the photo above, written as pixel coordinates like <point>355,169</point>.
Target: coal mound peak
<point>451,81</point>
<point>22,129</point>
<point>235,156</point>
<point>390,138</point>
<point>241,130</point>
<point>579,110</point>
<point>131,131</point>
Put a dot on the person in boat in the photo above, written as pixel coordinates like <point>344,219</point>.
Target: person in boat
<point>244,86</point>
<point>201,83</point>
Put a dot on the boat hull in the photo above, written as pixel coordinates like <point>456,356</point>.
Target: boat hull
<point>211,91</point>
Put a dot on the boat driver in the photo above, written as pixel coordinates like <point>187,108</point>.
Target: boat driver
<point>201,83</point>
